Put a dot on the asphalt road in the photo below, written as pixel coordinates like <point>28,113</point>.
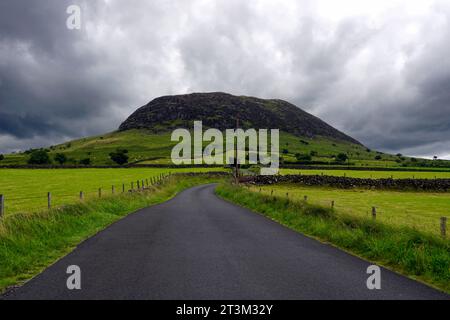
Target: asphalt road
<point>197,246</point>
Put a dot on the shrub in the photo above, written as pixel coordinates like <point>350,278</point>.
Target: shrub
<point>313,153</point>
<point>285,151</point>
<point>61,158</point>
<point>377,157</point>
<point>2,157</point>
<point>303,157</point>
<point>120,156</point>
<point>39,157</point>
<point>341,157</point>
<point>85,162</point>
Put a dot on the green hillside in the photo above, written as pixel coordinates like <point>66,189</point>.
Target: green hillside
<point>146,147</point>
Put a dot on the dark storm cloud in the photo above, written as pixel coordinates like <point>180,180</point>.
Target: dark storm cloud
<point>378,70</point>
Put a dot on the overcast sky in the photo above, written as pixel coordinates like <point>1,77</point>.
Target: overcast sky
<point>377,70</point>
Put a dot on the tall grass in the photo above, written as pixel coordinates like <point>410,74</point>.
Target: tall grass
<point>421,256</point>
<point>29,242</point>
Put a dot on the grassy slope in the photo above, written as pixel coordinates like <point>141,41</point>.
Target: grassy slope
<point>26,190</point>
<point>419,255</point>
<point>141,145</point>
<point>31,242</point>
<point>419,210</point>
<point>147,147</point>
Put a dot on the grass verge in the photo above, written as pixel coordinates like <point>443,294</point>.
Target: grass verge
<point>421,256</point>
<point>29,242</point>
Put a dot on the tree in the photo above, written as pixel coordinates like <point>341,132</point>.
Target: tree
<point>2,157</point>
<point>39,157</point>
<point>341,157</point>
<point>435,157</point>
<point>120,156</point>
<point>85,162</point>
<point>61,158</point>
<point>377,157</point>
<point>313,153</point>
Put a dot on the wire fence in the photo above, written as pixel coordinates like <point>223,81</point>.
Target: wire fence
<point>51,200</point>
<point>373,212</point>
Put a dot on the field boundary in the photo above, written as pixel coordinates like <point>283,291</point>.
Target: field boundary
<point>137,185</point>
<point>436,185</point>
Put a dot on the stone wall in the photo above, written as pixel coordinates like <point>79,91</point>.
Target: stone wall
<point>440,185</point>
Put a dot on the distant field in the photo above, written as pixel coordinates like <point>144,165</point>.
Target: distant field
<point>419,210</point>
<point>371,174</point>
<point>26,190</point>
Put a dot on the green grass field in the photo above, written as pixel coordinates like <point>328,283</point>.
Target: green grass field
<point>372,174</point>
<point>418,210</point>
<point>26,189</point>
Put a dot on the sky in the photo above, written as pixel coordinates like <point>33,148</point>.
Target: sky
<point>376,70</point>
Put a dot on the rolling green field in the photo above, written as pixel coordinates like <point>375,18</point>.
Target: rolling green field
<point>26,189</point>
<point>421,211</point>
<point>372,174</point>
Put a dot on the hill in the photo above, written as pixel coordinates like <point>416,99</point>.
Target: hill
<point>220,110</point>
<point>304,138</point>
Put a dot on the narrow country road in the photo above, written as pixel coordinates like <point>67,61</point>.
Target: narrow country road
<point>197,246</point>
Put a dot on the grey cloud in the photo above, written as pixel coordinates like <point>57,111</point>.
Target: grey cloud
<point>383,79</point>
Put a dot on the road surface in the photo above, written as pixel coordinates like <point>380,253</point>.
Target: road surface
<point>197,246</point>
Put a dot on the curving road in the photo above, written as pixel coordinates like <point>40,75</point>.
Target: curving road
<point>197,246</point>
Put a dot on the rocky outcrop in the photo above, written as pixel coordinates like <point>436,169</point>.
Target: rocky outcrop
<point>220,110</point>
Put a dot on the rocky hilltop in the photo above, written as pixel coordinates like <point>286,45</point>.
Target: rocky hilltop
<point>220,110</point>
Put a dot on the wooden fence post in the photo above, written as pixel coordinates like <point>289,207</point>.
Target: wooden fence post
<point>305,198</point>
<point>99,192</point>
<point>132,186</point>
<point>332,204</point>
<point>81,195</point>
<point>138,185</point>
<point>112,189</point>
<point>374,213</point>
<point>443,226</point>
<point>49,200</point>
<point>146,182</point>
<point>143,185</point>
<point>123,187</point>
<point>2,205</point>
